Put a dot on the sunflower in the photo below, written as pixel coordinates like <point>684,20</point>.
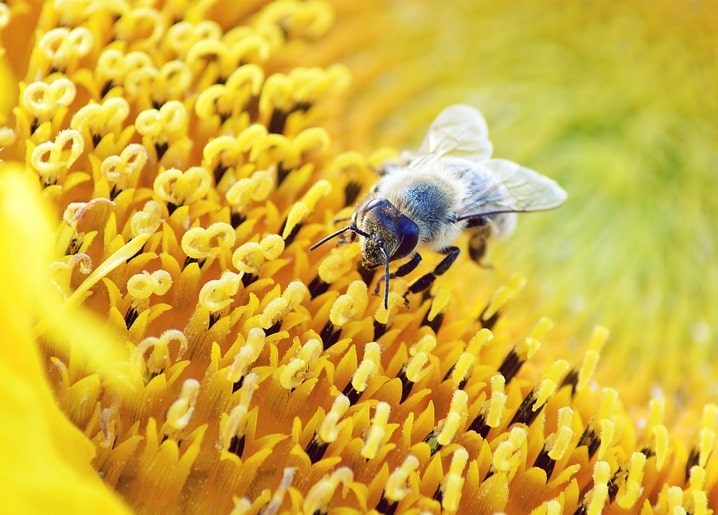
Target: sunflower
<point>171,344</point>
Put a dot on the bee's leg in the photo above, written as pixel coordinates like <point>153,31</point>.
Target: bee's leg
<point>402,270</point>
<point>480,231</point>
<point>477,247</point>
<point>408,266</point>
<point>425,281</point>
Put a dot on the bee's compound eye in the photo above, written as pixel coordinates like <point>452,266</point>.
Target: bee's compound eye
<point>379,204</point>
<point>408,231</point>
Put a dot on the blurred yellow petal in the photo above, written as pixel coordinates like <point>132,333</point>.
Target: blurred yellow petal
<point>46,459</point>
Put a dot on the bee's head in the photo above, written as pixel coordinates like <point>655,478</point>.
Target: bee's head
<point>391,234</point>
<point>385,234</point>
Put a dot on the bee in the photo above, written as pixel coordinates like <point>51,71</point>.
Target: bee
<point>451,184</point>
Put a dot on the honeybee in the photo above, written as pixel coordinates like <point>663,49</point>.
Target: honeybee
<point>449,185</point>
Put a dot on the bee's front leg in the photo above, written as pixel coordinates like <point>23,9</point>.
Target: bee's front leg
<point>425,281</point>
<point>402,270</point>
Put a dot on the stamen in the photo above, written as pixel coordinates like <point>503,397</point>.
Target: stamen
<point>497,403</point>
<point>510,453</point>
<point>377,434</point>
<point>180,412</point>
<point>217,294</point>
<point>319,496</point>
<point>232,425</point>
<point>453,482</point>
<point>598,496</point>
<point>178,188</point>
<point>368,368</point>
<point>398,485</point>
<point>630,491</point>
<point>200,243</point>
<point>561,439</point>
<point>591,357</point>
<point>141,286</point>
<point>292,374</point>
<point>351,305</point>
<point>455,419</point>
<point>247,355</point>
<point>332,423</point>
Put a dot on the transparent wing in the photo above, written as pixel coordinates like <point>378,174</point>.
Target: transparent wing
<point>458,131</point>
<point>501,186</point>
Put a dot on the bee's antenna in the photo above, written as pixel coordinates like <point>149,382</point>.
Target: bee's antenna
<point>386,277</point>
<point>332,235</point>
<point>341,231</point>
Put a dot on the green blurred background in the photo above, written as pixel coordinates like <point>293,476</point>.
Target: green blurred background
<point>618,101</point>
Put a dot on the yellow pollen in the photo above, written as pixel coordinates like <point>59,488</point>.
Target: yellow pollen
<point>52,159</point>
<point>180,188</point>
<point>180,412</point>
<point>338,264</point>
<point>462,369</point>
<point>234,424</point>
<point>350,305</point>
<point>331,425</point>
<point>62,48</point>
<point>135,24</point>
<point>141,286</point>
<point>217,294</point>
<point>319,190</point>
<point>630,491</point>
<point>45,101</point>
<point>477,342</point>
<point>510,453</point>
<point>599,494</point>
<point>607,432</point>
<point>425,345</point>
<point>396,302</point>
<point>148,220</point>
<point>377,434</point>
<point>550,383</point>
<point>675,501</point>
<point>415,370</point>
<point>275,503</point>
<point>527,348</point>
<point>159,358</point>
<point>255,188</point>
<point>292,374</point>
<point>201,243</point>
<point>497,403</point>
<point>609,403</point>
<point>456,418</point>
<point>95,120</point>
<point>561,439</point>
<point>122,170</point>
<point>247,355</point>
<point>543,326</point>
<point>398,485</point>
<point>164,124</point>
<point>120,256</point>
<point>697,501</point>
<point>319,496</point>
<point>369,366</point>
<point>453,483</point>
<point>591,357</point>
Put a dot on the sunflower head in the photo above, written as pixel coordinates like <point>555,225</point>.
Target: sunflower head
<point>166,170</point>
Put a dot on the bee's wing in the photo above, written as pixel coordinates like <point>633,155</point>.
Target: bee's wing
<point>458,131</point>
<point>501,186</point>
